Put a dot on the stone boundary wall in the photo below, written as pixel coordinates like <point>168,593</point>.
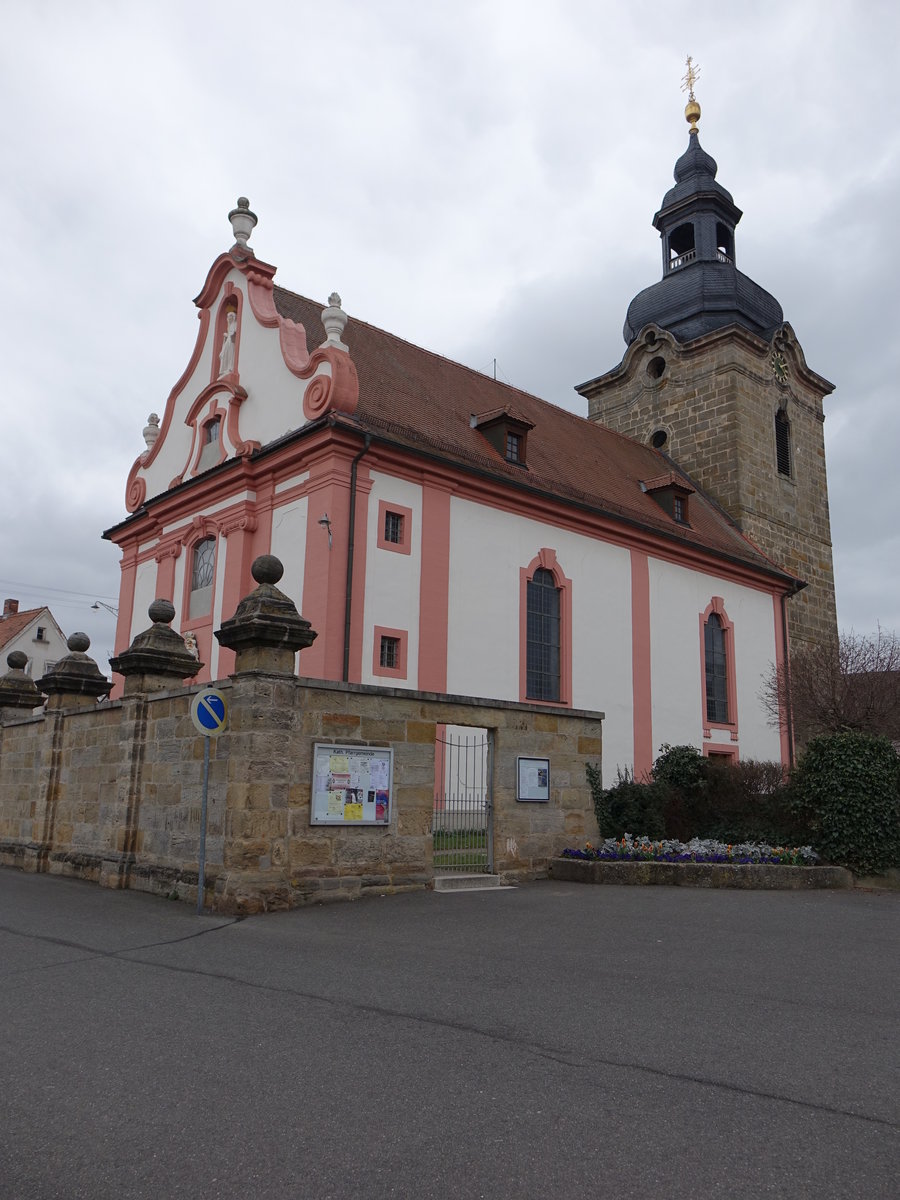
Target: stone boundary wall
<point>707,875</point>
<point>112,792</point>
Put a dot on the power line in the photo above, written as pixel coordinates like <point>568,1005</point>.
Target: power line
<point>39,587</point>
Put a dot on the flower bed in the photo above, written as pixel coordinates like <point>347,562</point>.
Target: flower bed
<point>697,863</point>
<point>697,850</point>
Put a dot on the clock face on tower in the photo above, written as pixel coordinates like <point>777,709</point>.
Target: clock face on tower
<point>779,366</point>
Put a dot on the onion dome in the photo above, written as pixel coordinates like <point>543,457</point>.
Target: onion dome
<point>701,288</point>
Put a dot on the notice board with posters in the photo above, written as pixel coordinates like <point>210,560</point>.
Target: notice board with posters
<point>352,785</point>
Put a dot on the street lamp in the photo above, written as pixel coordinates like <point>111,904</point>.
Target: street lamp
<point>109,608</point>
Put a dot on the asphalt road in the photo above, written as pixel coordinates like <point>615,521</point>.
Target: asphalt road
<point>555,1040</point>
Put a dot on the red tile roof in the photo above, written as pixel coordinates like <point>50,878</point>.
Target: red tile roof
<point>670,479</point>
<point>13,625</point>
<point>423,401</point>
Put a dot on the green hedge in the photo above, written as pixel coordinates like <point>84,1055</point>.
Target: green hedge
<point>847,787</point>
<point>843,798</point>
<point>689,796</point>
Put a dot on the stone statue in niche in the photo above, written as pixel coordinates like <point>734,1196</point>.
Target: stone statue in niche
<point>190,643</point>
<point>226,354</point>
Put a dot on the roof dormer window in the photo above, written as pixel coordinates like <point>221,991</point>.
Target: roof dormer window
<point>672,493</point>
<point>506,431</point>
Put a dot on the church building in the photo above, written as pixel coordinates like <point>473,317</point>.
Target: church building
<point>445,532</point>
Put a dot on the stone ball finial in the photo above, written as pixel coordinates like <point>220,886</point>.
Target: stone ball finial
<point>161,612</point>
<point>267,569</point>
<point>79,643</point>
<point>16,660</point>
<point>242,221</point>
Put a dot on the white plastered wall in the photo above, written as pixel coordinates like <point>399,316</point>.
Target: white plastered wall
<point>144,595</point>
<point>392,579</point>
<point>488,548</point>
<point>274,404</point>
<point>678,597</point>
<point>289,523</point>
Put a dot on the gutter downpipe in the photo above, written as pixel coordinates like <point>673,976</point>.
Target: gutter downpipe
<point>351,541</point>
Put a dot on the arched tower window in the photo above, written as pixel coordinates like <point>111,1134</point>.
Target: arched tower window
<point>724,243</point>
<point>783,444</point>
<point>682,246</point>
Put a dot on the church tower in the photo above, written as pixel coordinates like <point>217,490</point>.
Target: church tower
<point>715,379</point>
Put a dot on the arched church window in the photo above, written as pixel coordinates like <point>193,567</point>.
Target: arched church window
<point>203,561</point>
<point>716,670</point>
<point>783,443</point>
<point>543,637</point>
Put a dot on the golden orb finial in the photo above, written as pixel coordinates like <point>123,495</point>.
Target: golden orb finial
<point>692,108</point>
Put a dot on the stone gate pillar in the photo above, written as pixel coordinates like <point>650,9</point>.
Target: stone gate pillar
<point>261,744</point>
<point>18,698</point>
<point>18,693</point>
<point>74,683</point>
<point>156,661</point>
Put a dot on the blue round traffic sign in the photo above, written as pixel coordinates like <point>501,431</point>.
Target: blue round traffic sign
<point>209,712</point>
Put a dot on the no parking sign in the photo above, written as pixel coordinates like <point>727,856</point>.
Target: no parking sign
<point>209,712</point>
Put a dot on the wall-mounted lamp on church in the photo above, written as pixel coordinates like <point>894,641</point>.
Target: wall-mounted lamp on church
<point>326,524</point>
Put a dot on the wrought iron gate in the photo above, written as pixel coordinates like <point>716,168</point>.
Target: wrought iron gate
<point>462,825</point>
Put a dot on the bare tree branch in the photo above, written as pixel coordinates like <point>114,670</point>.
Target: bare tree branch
<point>853,683</point>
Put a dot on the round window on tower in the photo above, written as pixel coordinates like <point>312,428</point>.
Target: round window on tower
<point>658,439</point>
<point>656,367</point>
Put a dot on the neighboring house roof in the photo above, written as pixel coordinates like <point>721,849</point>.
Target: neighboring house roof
<point>421,400</point>
<point>15,623</point>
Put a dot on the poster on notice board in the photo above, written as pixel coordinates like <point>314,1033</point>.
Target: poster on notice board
<point>351,785</point>
<point>533,779</point>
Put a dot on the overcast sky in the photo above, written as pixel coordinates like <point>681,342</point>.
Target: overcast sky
<point>479,178</point>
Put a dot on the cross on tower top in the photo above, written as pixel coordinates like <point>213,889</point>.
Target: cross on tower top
<point>690,77</point>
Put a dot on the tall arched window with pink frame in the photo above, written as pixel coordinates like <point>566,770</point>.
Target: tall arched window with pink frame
<point>718,665</point>
<point>545,631</point>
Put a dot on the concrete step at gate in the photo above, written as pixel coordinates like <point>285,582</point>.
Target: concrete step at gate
<point>460,882</point>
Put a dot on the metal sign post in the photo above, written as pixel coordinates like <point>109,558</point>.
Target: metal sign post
<point>209,712</point>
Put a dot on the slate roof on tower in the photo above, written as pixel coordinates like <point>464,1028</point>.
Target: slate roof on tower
<point>701,289</point>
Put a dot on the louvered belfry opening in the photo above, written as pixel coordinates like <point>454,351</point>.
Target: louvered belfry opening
<point>783,443</point>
